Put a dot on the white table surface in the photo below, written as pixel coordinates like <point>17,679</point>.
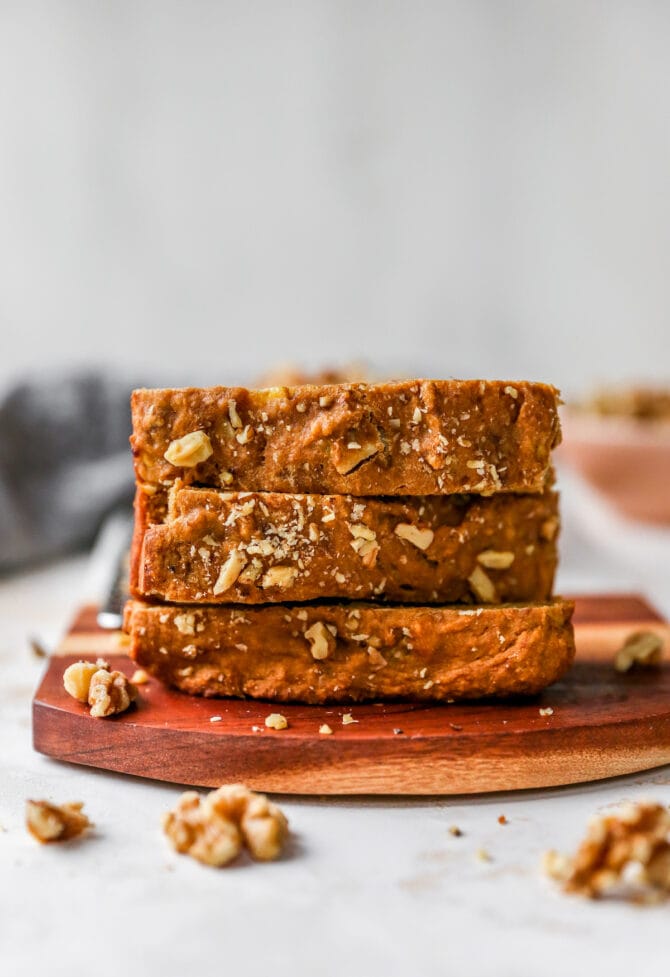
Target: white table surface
<point>369,887</point>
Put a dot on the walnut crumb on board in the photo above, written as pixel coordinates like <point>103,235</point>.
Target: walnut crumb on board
<point>139,677</point>
<point>348,719</point>
<point>547,711</point>
<point>215,827</point>
<point>455,831</point>
<point>644,649</point>
<point>106,692</point>
<point>55,822</point>
<point>625,854</point>
<point>325,730</point>
<point>276,721</point>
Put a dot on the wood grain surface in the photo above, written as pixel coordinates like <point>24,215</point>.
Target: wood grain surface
<point>603,724</point>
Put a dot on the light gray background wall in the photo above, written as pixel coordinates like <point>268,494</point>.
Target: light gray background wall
<point>452,187</point>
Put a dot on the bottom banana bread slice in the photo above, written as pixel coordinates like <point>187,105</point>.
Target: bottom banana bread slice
<point>336,652</point>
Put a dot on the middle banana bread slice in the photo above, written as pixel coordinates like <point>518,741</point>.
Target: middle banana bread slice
<point>215,547</point>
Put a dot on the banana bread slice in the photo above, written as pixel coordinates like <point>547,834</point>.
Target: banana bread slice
<point>330,652</point>
<point>411,437</point>
<point>255,548</point>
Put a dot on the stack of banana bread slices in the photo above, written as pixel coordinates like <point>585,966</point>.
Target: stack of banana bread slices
<point>345,542</point>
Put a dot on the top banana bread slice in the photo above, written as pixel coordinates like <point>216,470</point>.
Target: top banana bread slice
<point>410,437</point>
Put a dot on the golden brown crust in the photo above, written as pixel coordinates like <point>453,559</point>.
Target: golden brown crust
<point>414,437</point>
<point>324,652</point>
<point>258,548</point>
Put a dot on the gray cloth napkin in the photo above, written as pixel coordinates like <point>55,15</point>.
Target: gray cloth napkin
<point>65,463</point>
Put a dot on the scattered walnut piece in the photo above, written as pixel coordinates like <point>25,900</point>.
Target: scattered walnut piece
<point>140,677</point>
<point>77,679</point>
<point>110,693</point>
<point>496,559</point>
<point>455,831</point>
<point>325,730</point>
<point>348,719</point>
<point>229,572</point>
<point>644,649</point>
<point>546,711</point>
<point>190,450</point>
<point>214,828</point>
<point>55,822</point>
<point>321,641</point>
<point>279,576</point>
<point>107,693</point>
<point>276,721</point>
<point>482,586</point>
<point>421,538</point>
<point>626,854</point>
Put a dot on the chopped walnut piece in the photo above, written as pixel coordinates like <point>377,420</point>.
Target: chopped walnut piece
<point>55,822</point>
<point>235,419</point>
<point>107,693</point>
<point>325,730</point>
<point>455,831</point>
<point>321,641</point>
<point>482,586</point>
<point>110,693</point>
<point>642,649</point>
<point>279,576</point>
<point>229,572</point>
<point>77,679</point>
<point>377,660</point>
<point>196,828</point>
<point>185,623</point>
<point>214,828</point>
<point>354,455</point>
<point>368,550</point>
<point>364,543</point>
<point>140,677</point>
<point>549,528</point>
<point>276,721</point>
<point>421,538</point>
<point>626,853</point>
<point>496,559</point>
<point>190,450</point>
<point>348,719</point>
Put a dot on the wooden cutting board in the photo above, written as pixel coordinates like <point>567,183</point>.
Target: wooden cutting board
<point>603,724</point>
